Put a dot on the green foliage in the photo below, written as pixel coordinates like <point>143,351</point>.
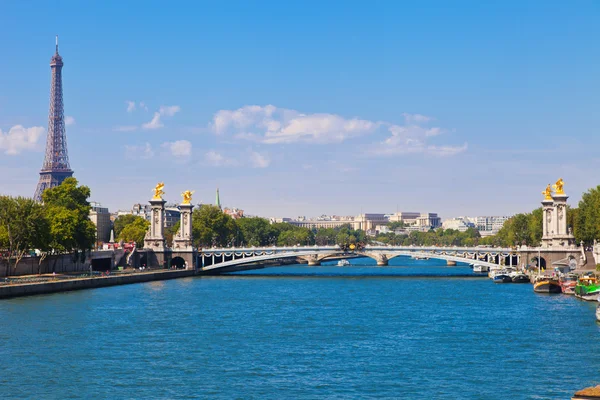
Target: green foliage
<point>23,226</point>
<point>210,226</point>
<point>257,231</point>
<point>396,225</point>
<point>587,222</point>
<point>67,210</point>
<point>134,231</point>
<point>122,221</point>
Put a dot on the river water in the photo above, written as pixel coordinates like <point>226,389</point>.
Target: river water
<point>413,330</point>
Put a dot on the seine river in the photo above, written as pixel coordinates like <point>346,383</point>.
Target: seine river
<point>414,330</point>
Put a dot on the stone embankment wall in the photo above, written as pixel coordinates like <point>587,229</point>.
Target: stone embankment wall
<point>31,265</point>
<point>89,283</point>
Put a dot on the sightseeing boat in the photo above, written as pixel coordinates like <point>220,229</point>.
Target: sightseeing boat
<point>568,283</point>
<point>587,288</point>
<point>546,284</point>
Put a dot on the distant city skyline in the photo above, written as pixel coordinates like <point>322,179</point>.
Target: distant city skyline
<point>464,109</point>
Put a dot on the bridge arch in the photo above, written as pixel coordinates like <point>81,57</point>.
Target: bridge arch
<point>178,263</point>
<point>219,259</point>
<point>539,262</point>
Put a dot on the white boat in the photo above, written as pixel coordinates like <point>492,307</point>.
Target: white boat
<point>480,268</point>
<point>420,257</point>
<point>343,263</point>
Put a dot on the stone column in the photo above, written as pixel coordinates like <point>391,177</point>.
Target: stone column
<point>155,237</point>
<point>562,237</point>
<point>548,223</point>
<point>183,239</point>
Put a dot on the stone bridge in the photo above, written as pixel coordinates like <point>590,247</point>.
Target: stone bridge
<point>219,259</point>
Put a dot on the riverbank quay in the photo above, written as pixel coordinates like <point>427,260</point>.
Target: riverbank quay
<point>35,285</point>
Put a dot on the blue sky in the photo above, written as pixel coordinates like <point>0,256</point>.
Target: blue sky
<point>305,108</point>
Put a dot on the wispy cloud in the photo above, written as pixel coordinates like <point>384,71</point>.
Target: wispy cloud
<point>258,160</point>
<point>126,128</point>
<point>156,122</point>
<point>272,125</point>
<point>130,106</point>
<point>179,148</point>
<point>416,118</point>
<point>139,151</point>
<point>69,120</point>
<point>216,159</point>
<point>19,138</point>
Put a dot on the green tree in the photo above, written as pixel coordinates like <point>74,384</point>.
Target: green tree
<point>135,231</point>
<point>587,227</point>
<point>210,226</point>
<point>256,231</point>
<point>122,221</point>
<point>67,210</point>
<point>23,227</point>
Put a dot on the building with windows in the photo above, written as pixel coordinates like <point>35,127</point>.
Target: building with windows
<point>409,218</point>
<point>428,221</point>
<point>172,213</point>
<point>100,216</point>
<point>489,225</point>
<point>458,224</point>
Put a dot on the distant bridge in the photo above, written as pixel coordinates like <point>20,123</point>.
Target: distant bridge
<point>217,259</point>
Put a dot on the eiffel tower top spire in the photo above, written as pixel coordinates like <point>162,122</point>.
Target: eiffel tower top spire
<point>56,161</point>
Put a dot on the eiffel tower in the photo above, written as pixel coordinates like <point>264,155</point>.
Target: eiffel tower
<point>56,162</point>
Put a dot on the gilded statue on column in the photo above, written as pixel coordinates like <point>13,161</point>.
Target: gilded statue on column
<point>187,197</point>
<point>158,191</point>
<point>547,193</point>
<point>558,186</point>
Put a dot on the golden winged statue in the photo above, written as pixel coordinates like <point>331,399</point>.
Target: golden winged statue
<point>558,186</point>
<point>547,193</point>
<point>158,191</point>
<point>187,197</point>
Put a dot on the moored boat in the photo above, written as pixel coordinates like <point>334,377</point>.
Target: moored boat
<point>520,277</point>
<point>587,288</point>
<point>598,313</point>
<point>502,277</point>
<point>480,268</point>
<point>568,283</point>
<point>545,284</point>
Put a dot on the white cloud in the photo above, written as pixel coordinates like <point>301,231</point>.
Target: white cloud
<point>216,159</point>
<point>156,122</point>
<point>19,138</point>
<point>169,111</point>
<point>130,106</point>
<point>259,160</point>
<point>271,125</point>
<point>139,152</point>
<point>416,118</point>
<point>179,148</point>
<point>69,120</point>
